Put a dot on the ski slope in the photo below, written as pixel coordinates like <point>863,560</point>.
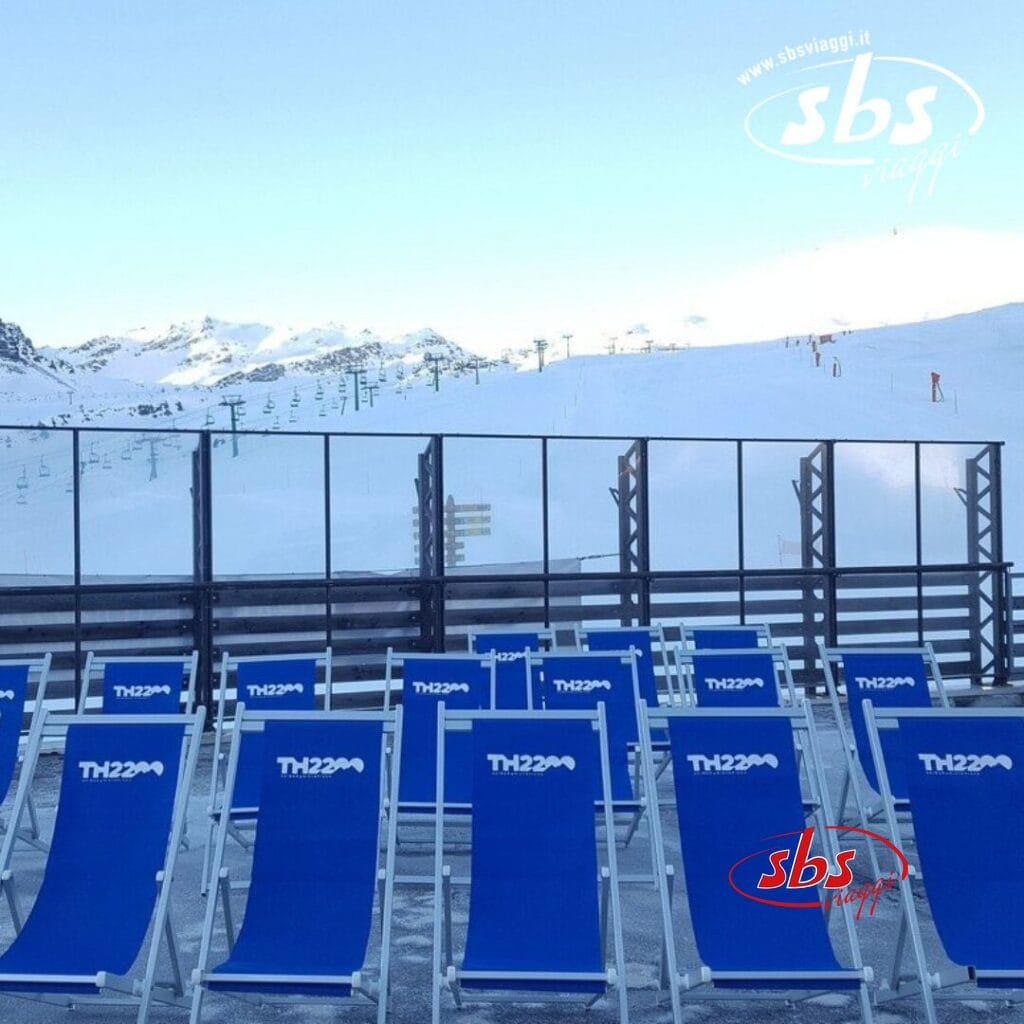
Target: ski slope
<point>270,500</point>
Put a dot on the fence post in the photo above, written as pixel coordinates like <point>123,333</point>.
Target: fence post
<point>202,565</point>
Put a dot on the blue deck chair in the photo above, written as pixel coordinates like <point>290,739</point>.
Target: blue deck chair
<point>463,681</point>
<point>536,928</point>
<point>647,641</point>
<point>324,817</point>
<point>733,637</point>
<point>161,685</point>
<point>510,647</point>
<point>14,688</point>
<point>964,773</point>
<point>107,881</point>
<point>893,677</point>
<point>737,678</point>
<point>579,682</point>
<point>274,682</point>
<point>737,791</point>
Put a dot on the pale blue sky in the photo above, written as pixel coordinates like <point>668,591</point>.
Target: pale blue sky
<point>493,169</point>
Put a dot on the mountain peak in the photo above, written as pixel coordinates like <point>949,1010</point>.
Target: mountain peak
<point>15,345</point>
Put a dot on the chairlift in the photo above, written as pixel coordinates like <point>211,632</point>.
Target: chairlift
<point>107,464</point>
<point>319,389</point>
<point>22,498</point>
<point>335,403</point>
<point>23,480</point>
<point>126,453</point>
<point>382,376</point>
<point>208,421</point>
<point>269,407</point>
<point>276,424</point>
<point>69,487</point>
<point>44,469</point>
<point>8,440</point>
<point>94,459</point>
<point>323,410</point>
<point>295,402</point>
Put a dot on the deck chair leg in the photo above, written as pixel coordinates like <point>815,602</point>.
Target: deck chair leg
<point>7,884</point>
<point>224,888</point>
<point>844,795</point>
<point>446,884</point>
<point>196,1011</point>
<point>605,887</point>
<point>897,960</point>
<point>866,1013</point>
<point>33,818</point>
<point>634,824</point>
<point>663,978</point>
<point>177,981</point>
<point>204,882</point>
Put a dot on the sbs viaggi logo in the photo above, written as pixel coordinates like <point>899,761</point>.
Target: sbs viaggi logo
<point>895,118</point>
<point>107,771</point>
<point>310,767</point>
<point>529,764</point>
<point>794,869</point>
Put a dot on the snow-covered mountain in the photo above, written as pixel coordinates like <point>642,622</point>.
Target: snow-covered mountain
<point>869,384</point>
<point>212,352</point>
<point>19,357</point>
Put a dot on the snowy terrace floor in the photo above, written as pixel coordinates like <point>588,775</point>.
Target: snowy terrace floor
<point>412,945</point>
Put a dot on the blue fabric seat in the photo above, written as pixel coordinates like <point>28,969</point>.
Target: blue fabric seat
<point>510,647</point>
<point>574,682</point>
<point>535,920</point>
<point>105,885</point>
<point>309,908</point>
<point>963,772</point>
<point>458,681</point>
<point>737,795</point>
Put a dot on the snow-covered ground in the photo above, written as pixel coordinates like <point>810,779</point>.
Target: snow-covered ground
<point>269,498</point>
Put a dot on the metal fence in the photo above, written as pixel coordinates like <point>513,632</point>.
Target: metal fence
<point>161,541</point>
